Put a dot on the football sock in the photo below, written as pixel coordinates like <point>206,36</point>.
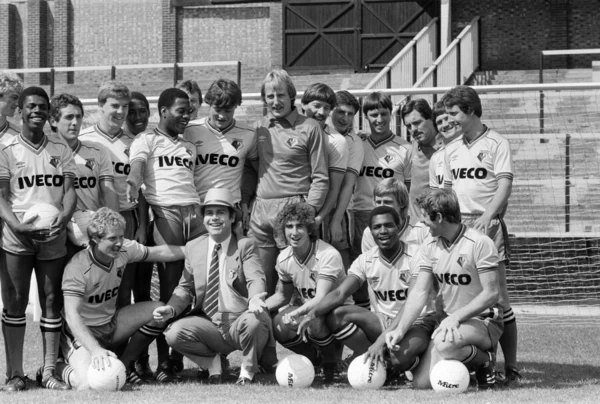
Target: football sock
<point>50,340</point>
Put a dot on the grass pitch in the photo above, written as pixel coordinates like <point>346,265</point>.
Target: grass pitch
<point>560,364</point>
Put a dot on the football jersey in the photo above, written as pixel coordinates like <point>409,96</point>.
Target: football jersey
<point>220,155</point>
<point>411,234</point>
<point>389,158</point>
<point>118,147</point>
<point>169,171</point>
<point>473,169</point>
<point>292,159</point>
<point>456,267</point>
<point>323,262</point>
<point>8,131</point>
<point>36,172</point>
<point>98,284</point>
<point>337,150</point>
<point>356,155</point>
<point>92,165</point>
<point>419,180</point>
<point>387,281</point>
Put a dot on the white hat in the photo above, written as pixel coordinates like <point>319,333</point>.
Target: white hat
<point>219,196</point>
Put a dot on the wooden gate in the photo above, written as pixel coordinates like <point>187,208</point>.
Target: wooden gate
<point>355,35</point>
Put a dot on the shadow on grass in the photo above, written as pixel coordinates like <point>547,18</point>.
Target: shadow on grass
<point>557,375</point>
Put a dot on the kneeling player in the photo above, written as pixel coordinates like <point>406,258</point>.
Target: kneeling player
<point>463,263</point>
<point>90,288</point>
<point>313,268</point>
<point>385,269</point>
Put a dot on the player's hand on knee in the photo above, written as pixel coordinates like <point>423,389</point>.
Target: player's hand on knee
<point>305,325</point>
<point>392,339</point>
<point>291,318</point>
<point>257,303</point>
<point>101,358</point>
<point>163,313</point>
<point>133,191</point>
<point>448,330</point>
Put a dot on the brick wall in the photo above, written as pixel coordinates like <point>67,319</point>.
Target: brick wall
<point>513,32</point>
<point>250,33</point>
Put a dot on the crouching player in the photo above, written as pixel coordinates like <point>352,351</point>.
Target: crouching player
<point>463,263</point>
<point>386,271</point>
<point>312,268</point>
<point>90,286</point>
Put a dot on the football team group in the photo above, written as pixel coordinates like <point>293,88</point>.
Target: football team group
<point>298,230</point>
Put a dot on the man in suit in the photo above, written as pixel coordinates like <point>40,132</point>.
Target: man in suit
<point>224,279</point>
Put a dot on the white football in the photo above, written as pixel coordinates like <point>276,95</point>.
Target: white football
<point>449,376</point>
<point>295,371</point>
<point>45,213</point>
<point>77,227</point>
<point>111,378</point>
<point>364,376</point>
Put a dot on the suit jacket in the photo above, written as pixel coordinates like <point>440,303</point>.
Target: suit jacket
<point>245,277</point>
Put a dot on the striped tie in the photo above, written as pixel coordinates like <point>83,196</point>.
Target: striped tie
<point>211,301</point>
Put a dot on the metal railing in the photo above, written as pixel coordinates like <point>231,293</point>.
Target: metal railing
<point>114,68</point>
<point>457,63</point>
<point>403,69</point>
<point>557,52</point>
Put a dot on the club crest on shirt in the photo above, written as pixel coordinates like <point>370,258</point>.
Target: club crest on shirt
<point>462,260</point>
<point>119,272</point>
<point>482,154</point>
<point>126,152</point>
<point>291,142</point>
<point>188,151</point>
<point>237,143</point>
<point>388,159</point>
<point>90,163</point>
<point>55,161</point>
<point>404,276</point>
<point>198,143</point>
<point>313,277</point>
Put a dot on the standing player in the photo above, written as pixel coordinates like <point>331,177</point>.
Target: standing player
<point>449,132</point>
<point>292,166</point>
<point>222,143</point>
<point>34,168</point>
<point>138,116</point>
<point>391,192</point>
<point>191,88</point>
<point>463,263</point>
<point>417,117</point>
<point>163,161</point>
<point>317,101</point>
<point>94,324</point>
<point>386,156</point>
<point>10,89</point>
<point>113,100</point>
<point>93,169</point>
<point>311,268</point>
<point>479,170</point>
<point>340,225</point>
<point>386,271</point>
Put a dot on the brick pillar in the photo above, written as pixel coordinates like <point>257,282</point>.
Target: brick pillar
<point>5,39</point>
<point>37,21</point>
<point>169,38</point>
<point>169,32</point>
<point>559,27</point>
<point>276,16</point>
<point>63,38</point>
